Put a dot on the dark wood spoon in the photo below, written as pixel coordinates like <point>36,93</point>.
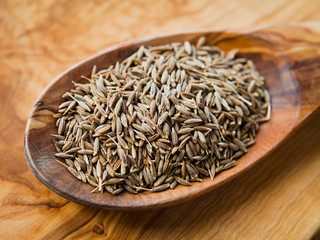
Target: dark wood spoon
<point>288,56</point>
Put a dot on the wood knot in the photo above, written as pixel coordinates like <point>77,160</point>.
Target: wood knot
<point>98,228</point>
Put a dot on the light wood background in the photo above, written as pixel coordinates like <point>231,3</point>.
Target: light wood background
<point>277,199</point>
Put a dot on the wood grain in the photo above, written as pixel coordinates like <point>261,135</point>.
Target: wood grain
<point>277,199</point>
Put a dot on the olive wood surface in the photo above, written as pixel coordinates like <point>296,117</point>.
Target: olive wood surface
<point>278,198</point>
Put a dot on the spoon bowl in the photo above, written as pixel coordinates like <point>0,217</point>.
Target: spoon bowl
<point>288,58</point>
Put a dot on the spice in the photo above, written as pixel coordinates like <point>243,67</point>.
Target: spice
<point>166,115</point>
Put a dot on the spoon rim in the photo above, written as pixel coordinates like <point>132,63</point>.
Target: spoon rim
<point>218,181</point>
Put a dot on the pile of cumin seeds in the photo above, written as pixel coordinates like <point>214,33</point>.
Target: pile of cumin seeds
<point>166,115</point>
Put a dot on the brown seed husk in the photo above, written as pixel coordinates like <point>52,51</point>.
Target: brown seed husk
<point>166,115</point>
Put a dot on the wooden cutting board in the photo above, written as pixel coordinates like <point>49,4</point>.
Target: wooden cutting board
<point>277,199</point>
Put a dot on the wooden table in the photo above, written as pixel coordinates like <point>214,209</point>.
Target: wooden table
<point>277,199</point>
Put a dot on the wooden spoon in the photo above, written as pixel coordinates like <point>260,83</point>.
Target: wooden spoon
<point>288,56</point>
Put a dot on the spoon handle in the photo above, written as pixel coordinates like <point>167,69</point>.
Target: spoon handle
<point>301,44</point>
<point>305,61</point>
